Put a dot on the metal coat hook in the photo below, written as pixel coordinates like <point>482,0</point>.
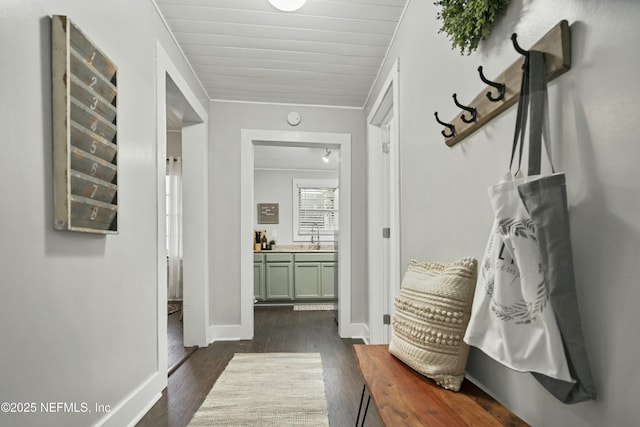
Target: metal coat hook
<point>452,128</point>
<point>516,46</point>
<point>503,92</point>
<point>471,110</point>
<point>499,86</point>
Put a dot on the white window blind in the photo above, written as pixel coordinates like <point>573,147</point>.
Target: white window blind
<point>316,206</point>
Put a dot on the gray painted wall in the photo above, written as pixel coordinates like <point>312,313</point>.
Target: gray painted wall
<point>594,109</point>
<point>275,186</point>
<point>79,323</point>
<point>227,119</point>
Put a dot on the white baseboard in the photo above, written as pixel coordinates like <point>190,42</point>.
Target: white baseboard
<point>137,403</point>
<point>359,331</point>
<point>227,333</point>
<point>238,332</point>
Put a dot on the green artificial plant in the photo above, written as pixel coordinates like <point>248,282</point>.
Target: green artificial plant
<point>467,22</point>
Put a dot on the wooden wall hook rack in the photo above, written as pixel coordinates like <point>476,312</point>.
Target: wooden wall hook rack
<point>556,45</point>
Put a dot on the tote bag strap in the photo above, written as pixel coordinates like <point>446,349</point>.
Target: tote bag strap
<point>521,116</point>
<point>533,96</point>
<point>539,113</point>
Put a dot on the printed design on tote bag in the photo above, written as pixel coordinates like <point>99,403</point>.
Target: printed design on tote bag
<point>519,311</point>
<point>524,228</point>
<point>522,312</point>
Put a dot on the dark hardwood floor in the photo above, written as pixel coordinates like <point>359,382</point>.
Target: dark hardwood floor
<point>177,353</point>
<point>277,329</point>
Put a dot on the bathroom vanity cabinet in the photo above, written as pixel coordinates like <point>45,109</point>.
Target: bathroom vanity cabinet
<point>294,276</point>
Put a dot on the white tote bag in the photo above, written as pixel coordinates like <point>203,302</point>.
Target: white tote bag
<point>512,319</point>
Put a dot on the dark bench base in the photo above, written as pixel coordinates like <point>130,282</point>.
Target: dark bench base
<point>405,398</point>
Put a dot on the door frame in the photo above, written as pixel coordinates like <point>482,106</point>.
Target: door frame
<point>386,105</point>
<point>195,213</point>
<point>251,137</point>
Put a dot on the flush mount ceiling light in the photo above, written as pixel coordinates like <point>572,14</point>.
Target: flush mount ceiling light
<point>287,5</point>
<point>325,158</point>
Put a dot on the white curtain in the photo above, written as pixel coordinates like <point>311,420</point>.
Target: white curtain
<point>174,227</point>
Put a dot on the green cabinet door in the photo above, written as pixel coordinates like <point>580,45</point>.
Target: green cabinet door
<point>279,280</point>
<point>314,275</point>
<point>327,285</point>
<point>258,281</point>
<point>258,276</point>
<point>307,280</point>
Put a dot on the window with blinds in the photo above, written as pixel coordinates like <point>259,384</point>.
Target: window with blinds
<point>316,205</point>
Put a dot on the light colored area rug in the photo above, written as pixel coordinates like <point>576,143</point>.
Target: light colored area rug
<point>314,307</point>
<point>267,389</point>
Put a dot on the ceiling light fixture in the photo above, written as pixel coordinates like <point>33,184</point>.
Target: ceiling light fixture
<point>287,5</point>
<point>325,158</point>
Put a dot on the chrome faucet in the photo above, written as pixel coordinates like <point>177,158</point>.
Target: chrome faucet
<point>317,234</point>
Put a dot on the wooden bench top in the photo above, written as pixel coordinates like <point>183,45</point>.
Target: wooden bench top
<point>405,398</point>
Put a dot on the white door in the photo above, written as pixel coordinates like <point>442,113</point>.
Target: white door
<point>383,169</point>
<point>385,198</point>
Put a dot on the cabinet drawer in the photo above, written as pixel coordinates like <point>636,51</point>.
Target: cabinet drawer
<point>315,257</point>
<point>258,257</point>
<point>279,257</point>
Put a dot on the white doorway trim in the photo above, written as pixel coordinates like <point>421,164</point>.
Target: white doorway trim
<point>249,137</point>
<point>385,111</point>
<point>195,213</point>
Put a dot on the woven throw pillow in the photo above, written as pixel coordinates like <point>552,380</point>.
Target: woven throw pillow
<point>432,313</point>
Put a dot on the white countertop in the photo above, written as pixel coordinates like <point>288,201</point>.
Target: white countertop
<point>300,248</point>
<point>296,250</point>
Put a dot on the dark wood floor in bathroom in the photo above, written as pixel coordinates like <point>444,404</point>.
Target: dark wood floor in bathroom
<point>277,329</point>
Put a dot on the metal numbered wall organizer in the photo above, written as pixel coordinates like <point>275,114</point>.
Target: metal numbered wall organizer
<point>85,150</point>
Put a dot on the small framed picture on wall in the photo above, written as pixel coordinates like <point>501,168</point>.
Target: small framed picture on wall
<point>268,213</point>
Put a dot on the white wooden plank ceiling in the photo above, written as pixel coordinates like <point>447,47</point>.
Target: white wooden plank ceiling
<point>326,53</point>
